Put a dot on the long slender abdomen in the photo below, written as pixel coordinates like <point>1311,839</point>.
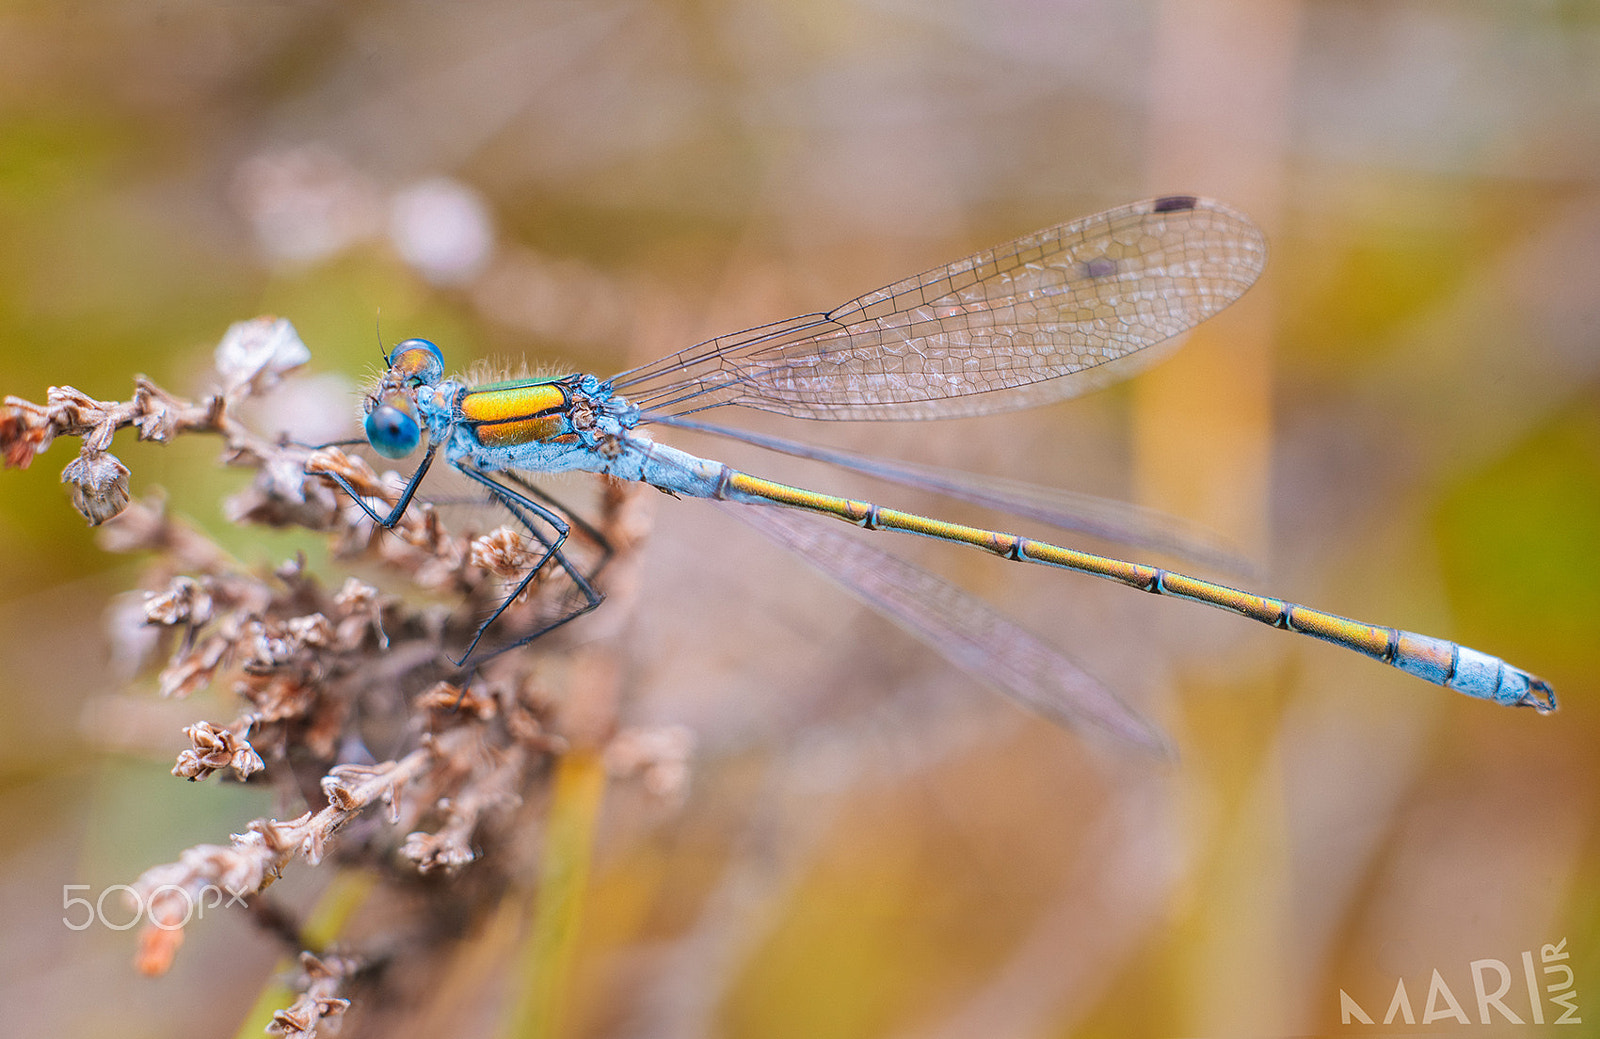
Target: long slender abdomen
<point>1435,660</point>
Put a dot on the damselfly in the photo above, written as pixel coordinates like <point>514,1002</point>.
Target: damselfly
<point>1041,318</point>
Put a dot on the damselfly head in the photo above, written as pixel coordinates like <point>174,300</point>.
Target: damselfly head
<point>391,424</point>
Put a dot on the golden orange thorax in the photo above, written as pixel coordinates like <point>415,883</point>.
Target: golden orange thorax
<point>516,413</point>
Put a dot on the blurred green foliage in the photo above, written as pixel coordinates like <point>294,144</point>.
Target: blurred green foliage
<point>1512,537</point>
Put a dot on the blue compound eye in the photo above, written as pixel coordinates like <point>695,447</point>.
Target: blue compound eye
<point>418,359</point>
<point>391,429</point>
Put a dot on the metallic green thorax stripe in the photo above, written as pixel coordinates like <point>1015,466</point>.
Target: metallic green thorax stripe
<point>519,383</point>
<point>1380,643</point>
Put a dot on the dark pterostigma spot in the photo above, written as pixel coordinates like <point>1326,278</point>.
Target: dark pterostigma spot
<point>1174,203</point>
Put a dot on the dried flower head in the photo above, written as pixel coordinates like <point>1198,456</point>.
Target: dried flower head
<point>320,978</point>
<point>345,695</point>
<point>215,749</point>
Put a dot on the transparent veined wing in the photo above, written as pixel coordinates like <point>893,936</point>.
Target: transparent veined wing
<point>1041,318</point>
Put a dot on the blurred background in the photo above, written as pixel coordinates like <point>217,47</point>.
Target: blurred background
<point>1401,423</point>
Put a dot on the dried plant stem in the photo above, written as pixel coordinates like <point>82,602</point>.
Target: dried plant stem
<point>348,700</point>
<point>349,890</point>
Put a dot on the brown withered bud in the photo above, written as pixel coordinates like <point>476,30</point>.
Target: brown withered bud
<point>99,483</point>
<point>25,430</point>
<point>184,602</point>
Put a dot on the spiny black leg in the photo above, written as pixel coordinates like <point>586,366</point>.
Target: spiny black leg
<point>520,506</point>
<point>589,529</point>
<point>520,511</point>
<point>515,505</point>
<point>387,522</point>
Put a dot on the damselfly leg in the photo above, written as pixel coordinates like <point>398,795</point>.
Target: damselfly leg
<point>524,508</point>
<point>529,514</point>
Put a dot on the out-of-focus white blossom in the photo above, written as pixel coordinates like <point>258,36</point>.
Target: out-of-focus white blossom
<point>443,229</point>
